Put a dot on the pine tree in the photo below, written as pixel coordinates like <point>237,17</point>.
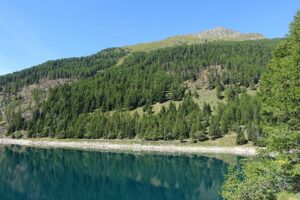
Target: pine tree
<point>219,91</point>
<point>280,91</point>
<point>214,128</point>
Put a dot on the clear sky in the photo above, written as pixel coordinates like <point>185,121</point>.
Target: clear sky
<point>34,31</point>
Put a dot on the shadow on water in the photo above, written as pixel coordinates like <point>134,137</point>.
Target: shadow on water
<point>33,173</point>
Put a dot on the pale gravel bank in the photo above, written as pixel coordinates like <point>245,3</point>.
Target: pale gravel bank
<point>135,147</point>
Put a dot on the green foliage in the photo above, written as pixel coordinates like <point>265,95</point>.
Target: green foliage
<point>266,177</point>
<point>219,91</point>
<point>230,93</point>
<point>143,79</point>
<point>19,134</point>
<point>181,123</point>
<point>260,178</point>
<point>200,135</point>
<point>280,92</point>
<point>281,84</point>
<point>17,123</point>
<point>241,139</point>
<point>277,141</point>
<point>37,96</point>
<point>82,67</point>
<point>239,111</point>
<point>214,128</point>
<point>254,133</point>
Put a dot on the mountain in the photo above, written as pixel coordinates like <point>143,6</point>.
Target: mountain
<point>178,92</point>
<point>222,33</point>
<point>168,93</point>
<point>218,33</point>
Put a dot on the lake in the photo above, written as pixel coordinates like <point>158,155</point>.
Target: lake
<point>34,173</point>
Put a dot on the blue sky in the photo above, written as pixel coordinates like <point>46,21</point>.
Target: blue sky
<point>34,31</point>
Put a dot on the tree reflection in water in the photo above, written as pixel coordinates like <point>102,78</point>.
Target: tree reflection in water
<point>33,173</point>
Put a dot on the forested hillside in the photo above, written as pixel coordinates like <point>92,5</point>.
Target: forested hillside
<point>97,107</point>
<point>82,67</point>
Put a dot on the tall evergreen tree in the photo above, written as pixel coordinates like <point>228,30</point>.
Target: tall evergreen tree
<point>280,89</point>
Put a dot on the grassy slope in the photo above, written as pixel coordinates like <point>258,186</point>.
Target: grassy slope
<point>177,40</point>
<point>205,96</point>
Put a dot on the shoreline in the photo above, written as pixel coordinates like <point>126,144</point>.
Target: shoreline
<point>132,147</point>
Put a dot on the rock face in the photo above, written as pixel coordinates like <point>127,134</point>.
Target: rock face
<point>225,33</point>
<point>24,100</point>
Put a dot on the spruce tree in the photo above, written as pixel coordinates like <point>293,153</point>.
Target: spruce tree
<point>214,128</point>
<point>219,91</point>
<point>280,91</point>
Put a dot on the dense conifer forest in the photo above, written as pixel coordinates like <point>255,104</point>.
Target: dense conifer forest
<point>82,67</point>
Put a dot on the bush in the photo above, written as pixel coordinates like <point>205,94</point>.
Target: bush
<point>200,136</point>
<point>19,134</point>
<point>241,139</point>
<point>258,178</point>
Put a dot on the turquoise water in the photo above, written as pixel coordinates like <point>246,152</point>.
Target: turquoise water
<point>32,173</point>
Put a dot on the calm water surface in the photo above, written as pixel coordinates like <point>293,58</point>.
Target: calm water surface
<point>32,173</point>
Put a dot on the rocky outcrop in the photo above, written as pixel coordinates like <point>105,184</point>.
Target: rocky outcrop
<point>225,33</point>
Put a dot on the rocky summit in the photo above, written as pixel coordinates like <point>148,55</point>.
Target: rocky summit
<point>226,33</point>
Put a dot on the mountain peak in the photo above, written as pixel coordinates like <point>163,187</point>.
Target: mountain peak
<point>215,34</point>
<point>226,33</point>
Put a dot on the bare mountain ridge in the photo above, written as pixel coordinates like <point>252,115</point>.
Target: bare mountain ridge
<point>225,33</point>
<point>218,33</point>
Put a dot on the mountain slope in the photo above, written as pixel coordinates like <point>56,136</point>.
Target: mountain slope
<point>68,68</point>
<point>115,81</point>
<point>94,107</point>
<point>218,33</point>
